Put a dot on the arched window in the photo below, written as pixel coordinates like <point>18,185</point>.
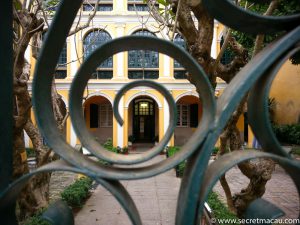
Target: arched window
<point>91,42</point>
<point>143,63</point>
<point>179,71</point>
<point>61,67</point>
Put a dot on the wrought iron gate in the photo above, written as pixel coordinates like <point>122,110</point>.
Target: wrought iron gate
<point>199,178</point>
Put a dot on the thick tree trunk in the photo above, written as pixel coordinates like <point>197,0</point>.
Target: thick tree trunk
<point>258,173</point>
<point>36,193</point>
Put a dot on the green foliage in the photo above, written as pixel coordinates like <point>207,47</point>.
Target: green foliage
<point>288,134</point>
<point>17,4</point>
<point>219,209</point>
<point>30,152</point>
<point>284,8</point>
<point>37,219</point>
<point>162,2</point>
<point>215,150</point>
<point>109,146</point>
<point>295,59</point>
<point>75,194</point>
<point>180,169</point>
<point>296,151</point>
<point>122,150</point>
<point>271,107</point>
<point>172,150</point>
<point>181,166</point>
<point>103,162</point>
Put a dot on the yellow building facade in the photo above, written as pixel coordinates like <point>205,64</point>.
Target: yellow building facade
<point>145,111</point>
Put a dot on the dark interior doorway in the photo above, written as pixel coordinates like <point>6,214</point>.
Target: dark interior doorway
<point>144,120</point>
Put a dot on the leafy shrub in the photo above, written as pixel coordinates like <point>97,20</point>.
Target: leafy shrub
<point>296,151</point>
<point>75,194</point>
<point>37,220</point>
<point>180,169</point>
<point>181,166</point>
<point>172,150</point>
<point>219,209</point>
<point>215,150</point>
<point>30,152</point>
<point>287,134</point>
<point>122,150</point>
<point>108,144</point>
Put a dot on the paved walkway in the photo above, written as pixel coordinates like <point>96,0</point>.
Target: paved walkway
<point>156,198</point>
<point>280,190</point>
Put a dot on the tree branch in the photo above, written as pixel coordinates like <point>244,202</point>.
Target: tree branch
<point>186,24</point>
<point>87,24</point>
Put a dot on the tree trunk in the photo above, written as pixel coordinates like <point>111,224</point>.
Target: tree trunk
<point>27,203</point>
<point>258,173</point>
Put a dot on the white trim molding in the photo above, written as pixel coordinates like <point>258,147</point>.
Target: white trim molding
<point>100,94</point>
<point>187,93</point>
<point>143,93</point>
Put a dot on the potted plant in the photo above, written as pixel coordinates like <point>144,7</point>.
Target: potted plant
<point>131,139</point>
<point>125,150</point>
<point>155,140</point>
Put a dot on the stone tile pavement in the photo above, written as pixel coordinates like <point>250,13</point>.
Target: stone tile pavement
<point>58,182</point>
<point>156,198</point>
<point>280,190</point>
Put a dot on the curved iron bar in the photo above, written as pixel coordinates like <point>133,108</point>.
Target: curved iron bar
<point>199,178</point>
<point>85,136</point>
<point>249,22</point>
<point>259,116</point>
<point>69,154</point>
<point>125,44</point>
<point>190,207</point>
<point>10,195</point>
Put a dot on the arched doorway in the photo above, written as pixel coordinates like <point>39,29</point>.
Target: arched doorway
<point>189,112</point>
<point>143,121</point>
<point>99,117</point>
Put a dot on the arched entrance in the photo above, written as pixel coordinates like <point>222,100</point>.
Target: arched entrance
<point>99,117</point>
<point>189,112</point>
<point>144,120</point>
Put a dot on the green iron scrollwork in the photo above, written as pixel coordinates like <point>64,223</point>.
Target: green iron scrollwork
<point>199,177</point>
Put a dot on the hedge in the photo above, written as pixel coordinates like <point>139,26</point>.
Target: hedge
<point>288,134</point>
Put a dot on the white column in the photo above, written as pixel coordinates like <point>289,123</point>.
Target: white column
<point>167,69</point>
<point>120,29</point>
<point>166,116</point>
<point>26,139</point>
<point>214,44</point>
<point>118,5</point>
<point>73,138</point>
<point>27,53</point>
<point>120,132</point>
<point>73,55</point>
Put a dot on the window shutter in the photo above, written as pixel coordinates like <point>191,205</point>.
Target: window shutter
<point>94,116</point>
<point>194,115</point>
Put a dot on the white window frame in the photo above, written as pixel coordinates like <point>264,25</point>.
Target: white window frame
<point>180,120</point>
<point>105,112</point>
